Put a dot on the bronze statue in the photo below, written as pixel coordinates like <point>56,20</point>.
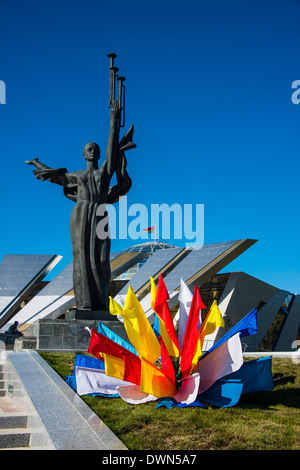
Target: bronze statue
<point>89,188</point>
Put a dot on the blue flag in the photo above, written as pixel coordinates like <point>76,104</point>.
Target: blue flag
<point>105,331</point>
<point>156,328</point>
<point>223,393</point>
<point>83,361</point>
<point>256,375</point>
<point>246,326</point>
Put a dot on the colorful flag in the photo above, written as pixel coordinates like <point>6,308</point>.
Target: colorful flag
<point>191,334</point>
<point>189,389</point>
<point>114,367</point>
<point>256,375</point>
<point>105,331</point>
<point>96,381</point>
<point>132,395</point>
<point>159,326</point>
<point>212,321</point>
<point>166,363</point>
<point>100,344</point>
<point>139,330</point>
<point>224,360</point>
<point>162,309</point>
<point>246,326</point>
<point>132,368</point>
<point>114,307</point>
<point>185,301</point>
<point>150,229</point>
<point>224,393</point>
<point>154,382</point>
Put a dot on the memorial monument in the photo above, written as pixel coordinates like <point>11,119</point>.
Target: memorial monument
<point>90,188</point>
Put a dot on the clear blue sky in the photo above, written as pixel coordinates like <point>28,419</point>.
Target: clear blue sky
<point>208,89</point>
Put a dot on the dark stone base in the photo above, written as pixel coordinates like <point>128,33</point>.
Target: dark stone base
<point>103,315</point>
<point>64,335</point>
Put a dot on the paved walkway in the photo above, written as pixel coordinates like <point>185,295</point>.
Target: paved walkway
<point>70,423</point>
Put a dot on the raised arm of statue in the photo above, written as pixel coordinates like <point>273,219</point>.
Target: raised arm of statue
<point>113,140</point>
<point>44,172</point>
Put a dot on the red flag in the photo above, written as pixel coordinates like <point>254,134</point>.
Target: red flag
<point>166,363</point>
<point>149,229</point>
<point>163,311</point>
<point>191,334</point>
<point>132,368</point>
<point>101,344</point>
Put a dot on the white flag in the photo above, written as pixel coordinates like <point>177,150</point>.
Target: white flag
<point>133,395</point>
<point>96,381</point>
<point>222,361</point>
<point>185,300</point>
<point>189,389</point>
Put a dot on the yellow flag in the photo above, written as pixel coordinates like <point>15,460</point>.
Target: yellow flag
<point>197,355</point>
<point>154,381</point>
<point>212,321</point>
<point>114,307</point>
<point>138,328</point>
<point>153,293</point>
<point>132,327</point>
<point>114,367</point>
<point>171,348</point>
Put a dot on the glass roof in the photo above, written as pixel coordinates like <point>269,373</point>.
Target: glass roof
<point>148,247</point>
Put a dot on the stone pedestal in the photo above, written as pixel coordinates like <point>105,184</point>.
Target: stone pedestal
<point>102,315</point>
<point>64,335</point>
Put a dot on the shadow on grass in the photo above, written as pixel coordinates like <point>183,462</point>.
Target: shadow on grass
<point>270,399</point>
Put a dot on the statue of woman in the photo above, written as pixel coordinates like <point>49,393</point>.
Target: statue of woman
<point>89,188</point>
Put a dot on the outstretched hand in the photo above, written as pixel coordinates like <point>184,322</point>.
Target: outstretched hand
<point>31,162</point>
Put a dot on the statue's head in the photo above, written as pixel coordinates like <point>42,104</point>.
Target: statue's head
<point>91,151</point>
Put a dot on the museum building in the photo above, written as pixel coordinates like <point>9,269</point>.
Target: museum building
<point>27,297</point>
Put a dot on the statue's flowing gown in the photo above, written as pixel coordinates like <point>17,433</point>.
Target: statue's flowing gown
<point>91,264</point>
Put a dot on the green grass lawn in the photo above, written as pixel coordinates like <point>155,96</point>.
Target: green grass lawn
<point>261,421</point>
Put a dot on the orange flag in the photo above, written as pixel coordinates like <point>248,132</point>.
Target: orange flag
<point>155,382</point>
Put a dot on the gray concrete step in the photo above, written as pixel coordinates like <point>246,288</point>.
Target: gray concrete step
<point>13,421</point>
<point>11,438</point>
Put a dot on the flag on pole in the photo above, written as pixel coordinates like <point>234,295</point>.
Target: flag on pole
<point>150,229</point>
